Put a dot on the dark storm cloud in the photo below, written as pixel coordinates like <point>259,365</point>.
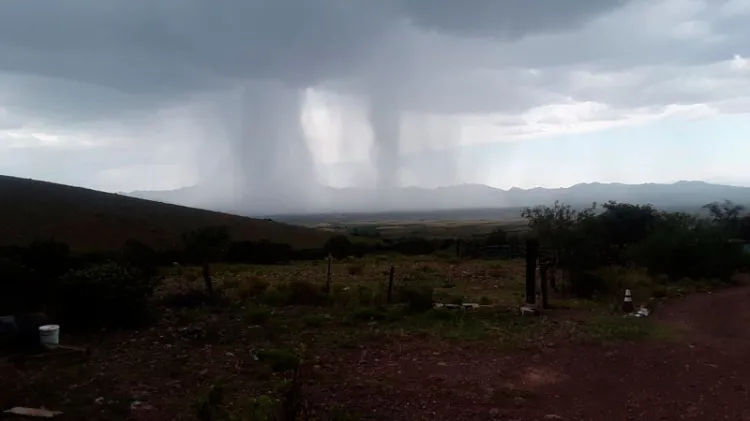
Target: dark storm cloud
<point>144,46</point>
<point>504,18</point>
<point>125,59</point>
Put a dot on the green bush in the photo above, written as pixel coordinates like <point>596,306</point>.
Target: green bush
<point>418,298</point>
<point>367,314</point>
<point>258,316</point>
<point>251,288</point>
<point>278,359</point>
<point>314,320</point>
<point>303,293</point>
<point>106,295</point>
<point>19,290</point>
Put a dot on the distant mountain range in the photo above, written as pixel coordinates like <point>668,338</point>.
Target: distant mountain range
<point>691,194</point>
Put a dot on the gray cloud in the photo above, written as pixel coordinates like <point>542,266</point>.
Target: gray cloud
<point>111,69</point>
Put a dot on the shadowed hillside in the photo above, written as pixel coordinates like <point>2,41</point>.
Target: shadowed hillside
<point>92,220</point>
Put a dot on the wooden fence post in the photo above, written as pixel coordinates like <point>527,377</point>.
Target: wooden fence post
<point>328,275</point>
<point>543,271</point>
<point>207,280</point>
<point>390,284</point>
<point>532,255</point>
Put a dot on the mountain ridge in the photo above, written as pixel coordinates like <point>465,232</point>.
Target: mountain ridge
<point>468,196</point>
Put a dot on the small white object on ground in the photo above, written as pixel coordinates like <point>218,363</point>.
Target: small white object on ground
<point>33,412</point>
<point>49,335</point>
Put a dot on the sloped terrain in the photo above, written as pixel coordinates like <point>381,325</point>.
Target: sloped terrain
<point>89,220</point>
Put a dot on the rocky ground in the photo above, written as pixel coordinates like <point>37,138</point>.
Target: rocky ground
<point>162,374</point>
<point>701,374</point>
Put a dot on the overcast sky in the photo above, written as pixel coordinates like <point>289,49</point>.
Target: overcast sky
<point>124,95</point>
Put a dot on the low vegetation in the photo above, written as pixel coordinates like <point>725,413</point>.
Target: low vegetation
<point>236,328</point>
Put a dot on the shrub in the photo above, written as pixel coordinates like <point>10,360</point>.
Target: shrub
<point>191,298</point>
<point>587,284</point>
<point>418,298</point>
<point>19,292</point>
<point>355,270</point>
<point>107,295</point>
<point>258,316</point>
<point>339,246</point>
<point>272,296</point>
<point>303,293</point>
<point>367,314</point>
<point>251,288</point>
<point>314,320</point>
<point>279,359</point>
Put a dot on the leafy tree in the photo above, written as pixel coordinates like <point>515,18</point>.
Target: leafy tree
<point>727,215</point>
<point>205,246</point>
<point>339,246</point>
<point>498,237</point>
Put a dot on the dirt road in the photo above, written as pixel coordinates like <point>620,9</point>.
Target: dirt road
<point>703,375</point>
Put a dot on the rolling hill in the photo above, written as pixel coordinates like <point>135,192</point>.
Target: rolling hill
<point>89,220</point>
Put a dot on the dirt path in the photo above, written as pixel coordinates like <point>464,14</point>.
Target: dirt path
<point>702,376</point>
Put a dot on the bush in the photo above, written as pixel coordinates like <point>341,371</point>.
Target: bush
<point>294,293</point>
<point>367,314</point>
<point>107,295</point>
<point>314,320</point>
<point>19,292</point>
<point>587,284</point>
<point>355,270</point>
<point>258,316</point>
<point>279,360</point>
<point>191,298</point>
<point>339,246</point>
<point>251,288</point>
<point>418,298</point>
<point>303,293</point>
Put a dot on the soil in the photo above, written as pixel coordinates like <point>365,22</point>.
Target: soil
<point>159,374</point>
<point>700,375</point>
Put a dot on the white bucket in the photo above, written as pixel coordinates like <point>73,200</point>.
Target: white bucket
<point>49,335</point>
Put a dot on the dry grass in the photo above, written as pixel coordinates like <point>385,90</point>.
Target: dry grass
<point>89,220</point>
<point>246,343</point>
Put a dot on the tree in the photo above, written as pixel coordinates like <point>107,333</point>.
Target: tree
<point>498,237</point>
<point>727,215</point>
<point>205,246</point>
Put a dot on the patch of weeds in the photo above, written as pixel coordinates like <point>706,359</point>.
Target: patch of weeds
<point>263,408</point>
<point>613,328</point>
<point>184,299</point>
<point>252,288</point>
<point>660,291</point>
<point>339,413</point>
<point>279,359</point>
<point>314,321</point>
<point>367,314</point>
<point>210,406</point>
<point>188,316</point>
<point>447,283</point>
<point>441,314</point>
<point>258,316</point>
<point>394,314</point>
<point>272,296</point>
<point>454,299</point>
<point>355,270</point>
<point>418,298</point>
<point>304,293</point>
<point>274,329</point>
<point>367,296</point>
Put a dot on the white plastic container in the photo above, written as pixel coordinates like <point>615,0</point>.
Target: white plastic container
<point>49,335</point>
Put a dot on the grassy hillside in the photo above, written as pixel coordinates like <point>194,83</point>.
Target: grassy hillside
<point>90,220</point>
